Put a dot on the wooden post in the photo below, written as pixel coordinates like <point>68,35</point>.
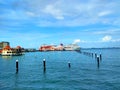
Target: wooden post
<point>92,55</point>
<point>95,56</point>
<point>98,62</point>
<point>100,57</point>
<point>44,64</point>
<point>69,65</point>
<point>17,66</point>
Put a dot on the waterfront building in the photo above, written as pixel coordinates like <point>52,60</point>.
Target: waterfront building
<point>4,44</point>
<point>0,51</point>
<point>8,51</point>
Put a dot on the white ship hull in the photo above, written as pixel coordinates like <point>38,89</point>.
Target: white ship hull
<point>72,47</point>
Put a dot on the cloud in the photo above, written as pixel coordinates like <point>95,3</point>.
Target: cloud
<point>55,12</point>
<point>65,12</point>
<point>106,38</point>
<point>104,13</point>
<point>30,14</point>
<point>107,31</point>
<point>76,41</point>
<point>116,40</point>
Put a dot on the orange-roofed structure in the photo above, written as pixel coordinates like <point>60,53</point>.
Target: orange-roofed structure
<point>0,51</point>
<point>47,48</point>
<point>18,47</point>
<point>8,51</point>
<point>7,48</point>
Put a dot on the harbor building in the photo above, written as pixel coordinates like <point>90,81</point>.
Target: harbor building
<point>8,51</point>
<point>4,44</point>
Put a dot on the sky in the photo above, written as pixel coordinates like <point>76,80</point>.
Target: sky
<point>89,23</point>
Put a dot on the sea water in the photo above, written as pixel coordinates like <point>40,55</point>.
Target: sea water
<point>82,75</point>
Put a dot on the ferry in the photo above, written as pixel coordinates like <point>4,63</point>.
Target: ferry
<point>51,48</point>
<point>72,47</point>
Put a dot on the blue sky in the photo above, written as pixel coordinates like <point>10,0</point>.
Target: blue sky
<point>31,23</point>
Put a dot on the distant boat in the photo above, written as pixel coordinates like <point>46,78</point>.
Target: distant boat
<point>47,48</point>
<point>72,47</point>
<point>52,48</point>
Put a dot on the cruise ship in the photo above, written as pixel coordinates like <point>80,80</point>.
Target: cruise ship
<point>72,47</point>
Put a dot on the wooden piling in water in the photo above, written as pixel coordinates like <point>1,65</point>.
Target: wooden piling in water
<point>17,66</point>
<point>100,57</point>
<point>95,56</point>
<point>69,64</point>
<point>92,55</point>
<point>44,64</point>
<point>98,62</point>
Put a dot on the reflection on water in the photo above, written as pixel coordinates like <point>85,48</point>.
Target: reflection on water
<point>7,57</point>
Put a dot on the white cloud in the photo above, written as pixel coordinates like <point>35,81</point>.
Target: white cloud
<point>104,13</point>
<point>116,40</point>
<point>30,13</point>
<point>106,31</point>
<point>52,10</point>
<point>11,14</point>
<point>65,12</point>
<point>76,41</point>
<point>106,38</point>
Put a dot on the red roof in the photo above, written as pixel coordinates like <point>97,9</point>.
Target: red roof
<point>7,47</point>
<point>0,51</point>
<point>19,47</point>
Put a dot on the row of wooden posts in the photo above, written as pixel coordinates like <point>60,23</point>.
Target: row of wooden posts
<point>44,65</point>
<point>98,58</point>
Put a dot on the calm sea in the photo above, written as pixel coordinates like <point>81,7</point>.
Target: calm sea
<point>83,74</point>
